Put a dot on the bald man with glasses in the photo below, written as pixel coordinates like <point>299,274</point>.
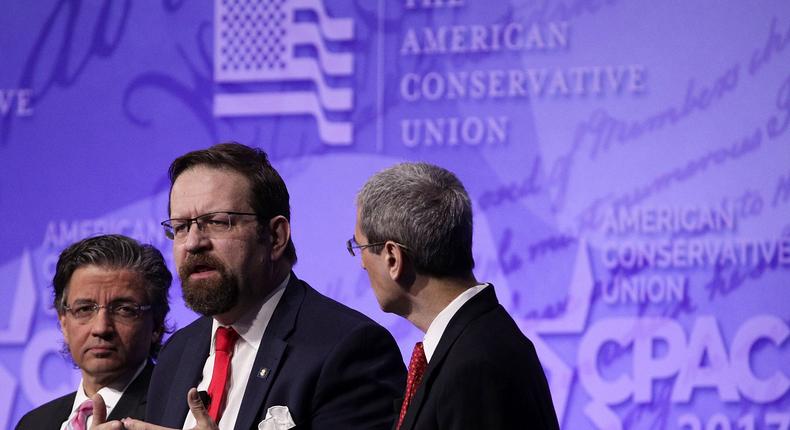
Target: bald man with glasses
<point>111,298</point>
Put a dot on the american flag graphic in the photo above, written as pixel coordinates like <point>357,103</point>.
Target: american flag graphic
<point>255,41</point>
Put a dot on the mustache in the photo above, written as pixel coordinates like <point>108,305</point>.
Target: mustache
<point>193,261</point>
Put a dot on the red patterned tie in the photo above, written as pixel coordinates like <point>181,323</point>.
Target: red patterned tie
<point>417,366</point>
<point>217,389</point>
<point>80,420</point>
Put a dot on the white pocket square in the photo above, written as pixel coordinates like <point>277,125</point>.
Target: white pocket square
<point>277,418</point>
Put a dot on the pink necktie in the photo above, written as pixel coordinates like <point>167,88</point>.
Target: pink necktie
<point>417,365</point>
<point>80,421</point>
<point>217,389</point>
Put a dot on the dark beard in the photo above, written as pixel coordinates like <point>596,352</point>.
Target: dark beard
<point>208,296</point>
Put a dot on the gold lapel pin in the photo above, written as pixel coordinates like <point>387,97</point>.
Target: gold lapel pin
<point>263,373</point>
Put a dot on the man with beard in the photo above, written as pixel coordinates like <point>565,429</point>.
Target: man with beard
<point>270,351</point>
<point>111,298</point>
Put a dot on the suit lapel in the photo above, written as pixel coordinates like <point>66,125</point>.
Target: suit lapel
<point>483,302</point>
<point>63,410</point>
<point>270,352</point>
<point>132,402</point>
<point>188,374</point>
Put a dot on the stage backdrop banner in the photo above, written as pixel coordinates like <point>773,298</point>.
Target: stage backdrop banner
<point>628,163</point>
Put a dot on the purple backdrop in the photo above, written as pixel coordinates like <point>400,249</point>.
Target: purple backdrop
<point>629,164</point>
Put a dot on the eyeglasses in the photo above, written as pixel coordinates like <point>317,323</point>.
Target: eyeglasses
<point>211,223</point>
<point>352,244</point>
<point>118,311</point>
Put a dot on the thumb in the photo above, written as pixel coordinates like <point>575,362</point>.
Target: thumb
<point>199,411</point>
<point>99,410</point>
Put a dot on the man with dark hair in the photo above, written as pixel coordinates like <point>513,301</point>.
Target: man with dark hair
<point>111,299</point>
<point>269,351</point>
<point>474,369</point>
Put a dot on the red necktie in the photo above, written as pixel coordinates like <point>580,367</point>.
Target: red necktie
<point>417,365</point>
<point>217,389</point>
<point>80,420</point>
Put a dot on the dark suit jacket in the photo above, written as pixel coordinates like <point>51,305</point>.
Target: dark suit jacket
<point>52,414</point>
<point>333,368</point>
<point>484,374</point>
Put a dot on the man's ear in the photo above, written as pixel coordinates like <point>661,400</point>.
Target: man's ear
<point>397,265</point>
<point>158,332</point>
<point>62,321</point>
<point>280,231</point>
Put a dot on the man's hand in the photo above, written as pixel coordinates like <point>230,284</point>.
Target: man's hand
<point>195,405</point>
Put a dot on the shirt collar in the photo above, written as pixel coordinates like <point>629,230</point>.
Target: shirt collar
<point>111,393</point>
<point>439,324</point>
<point>251,325</point>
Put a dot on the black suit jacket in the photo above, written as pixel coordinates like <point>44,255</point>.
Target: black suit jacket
<point>333,367</point>
<point>52,414</point>
<point>484,374</point>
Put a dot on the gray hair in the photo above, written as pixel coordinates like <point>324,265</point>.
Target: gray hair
<point>114,251</point>
<point>426,209</point>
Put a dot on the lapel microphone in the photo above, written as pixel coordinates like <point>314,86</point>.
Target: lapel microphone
<point>205,398</point>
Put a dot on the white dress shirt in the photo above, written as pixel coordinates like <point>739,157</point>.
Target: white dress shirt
<point>439,324</point>
<point>250,328</point>
<point>111,395</point>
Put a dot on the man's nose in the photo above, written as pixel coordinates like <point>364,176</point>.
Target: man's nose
<point>196,241</point>
<point>102,323</point>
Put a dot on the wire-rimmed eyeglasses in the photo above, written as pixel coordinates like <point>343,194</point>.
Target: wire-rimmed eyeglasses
<point>118,311</point>
<point>209,223</point>
<point>352,244</point>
